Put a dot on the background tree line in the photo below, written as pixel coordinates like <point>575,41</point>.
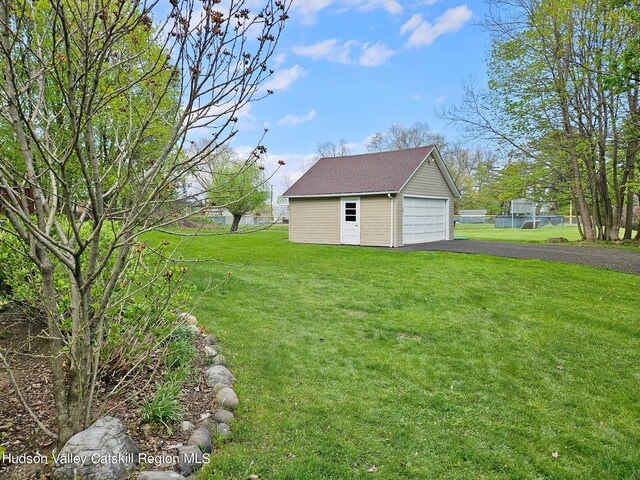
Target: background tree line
<point>487,178</point>
<point>562,102</point>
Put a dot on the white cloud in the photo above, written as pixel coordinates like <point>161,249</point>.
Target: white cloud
<point>211,120</point>
<point>360,147</point>
<point>332,49</point>
<point>375,55</point>
<point>293,120</point>
<point>416,97</point>
<point>295,164</point>
<point>246,118</point>
<point>439,99</point>
<point>308,9</point>
<point>425,33</point>
<point>278,60</point>
<point>283,79</point>
<point>338,51</point>
<point>413,23</point>
<point>391,6</point>
<point>244,152</point>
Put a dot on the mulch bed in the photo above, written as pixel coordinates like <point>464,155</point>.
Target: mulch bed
<point>19,433</point>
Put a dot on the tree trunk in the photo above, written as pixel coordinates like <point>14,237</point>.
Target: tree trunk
<point>628,223</point>
<point>560,63</point>
<point>236,222</point>
<point>633,146</point>
<point>582,208</point>
<point>638,226</point>
<point>65,428</point>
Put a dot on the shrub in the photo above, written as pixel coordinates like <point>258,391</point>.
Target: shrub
<point>143,323</point>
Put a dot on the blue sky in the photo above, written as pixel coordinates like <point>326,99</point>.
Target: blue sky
<point>351,68</point>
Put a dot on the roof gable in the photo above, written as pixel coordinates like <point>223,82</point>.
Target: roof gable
<point>384,172</point>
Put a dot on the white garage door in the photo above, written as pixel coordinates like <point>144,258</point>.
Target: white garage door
<point>424,220</point>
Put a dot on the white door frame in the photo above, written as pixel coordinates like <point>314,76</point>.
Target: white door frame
<point>349,229</point>
<point>447,212</point>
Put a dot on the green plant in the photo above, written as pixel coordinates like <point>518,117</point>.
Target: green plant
<point>185,374</point>
<point>145,323</point>
<point>181,332</point>
<point>179,354</point>
<point>19,280</point>
<point>165,408</point>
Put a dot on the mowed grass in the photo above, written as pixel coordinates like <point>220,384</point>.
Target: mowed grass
<point>369,363</point>
<point>489,232</point>
<point>539,235</point>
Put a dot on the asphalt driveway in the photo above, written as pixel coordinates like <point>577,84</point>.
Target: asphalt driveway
<point>622,260</point>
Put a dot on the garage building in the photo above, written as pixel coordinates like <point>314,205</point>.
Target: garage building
<point>376,199</point>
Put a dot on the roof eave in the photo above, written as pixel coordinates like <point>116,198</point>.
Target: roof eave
<point>446,174</point>
<point>343,194</point>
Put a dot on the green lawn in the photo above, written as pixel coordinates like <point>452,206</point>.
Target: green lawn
<point>489,232</point>
<point>422,364</point>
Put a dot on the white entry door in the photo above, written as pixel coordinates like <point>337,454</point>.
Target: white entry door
<point>350,221</point>
<point>424,220</point>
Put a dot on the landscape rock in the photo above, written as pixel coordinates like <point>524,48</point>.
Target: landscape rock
<point>216,387</point>
<point>194,329</point>
<point>210,339</point>
<point>201,438</point>
<point>187,426</point>
<point>219,375</point>
<point>190,459</point>
<point>188,318</point>
<point>223,416</point>
<point>223,429</point>
<point>105,439</point>
<point>160,476</point>
<point>227,398</point>
<point>220,360</point>
<point>209,351</point>
<point>210,424</point>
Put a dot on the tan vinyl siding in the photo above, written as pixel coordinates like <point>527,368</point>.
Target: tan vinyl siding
<point>428,181</point>
<point>398,220</point>
<point>375,224</point>
<point>314,220</point>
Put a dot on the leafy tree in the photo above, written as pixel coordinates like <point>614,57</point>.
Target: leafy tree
<point>97,101</point>
<point>551,100</point>
<point>625,63</point>
<point>239,186</point>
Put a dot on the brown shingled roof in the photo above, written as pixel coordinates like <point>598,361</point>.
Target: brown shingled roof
<point>384,172</point>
